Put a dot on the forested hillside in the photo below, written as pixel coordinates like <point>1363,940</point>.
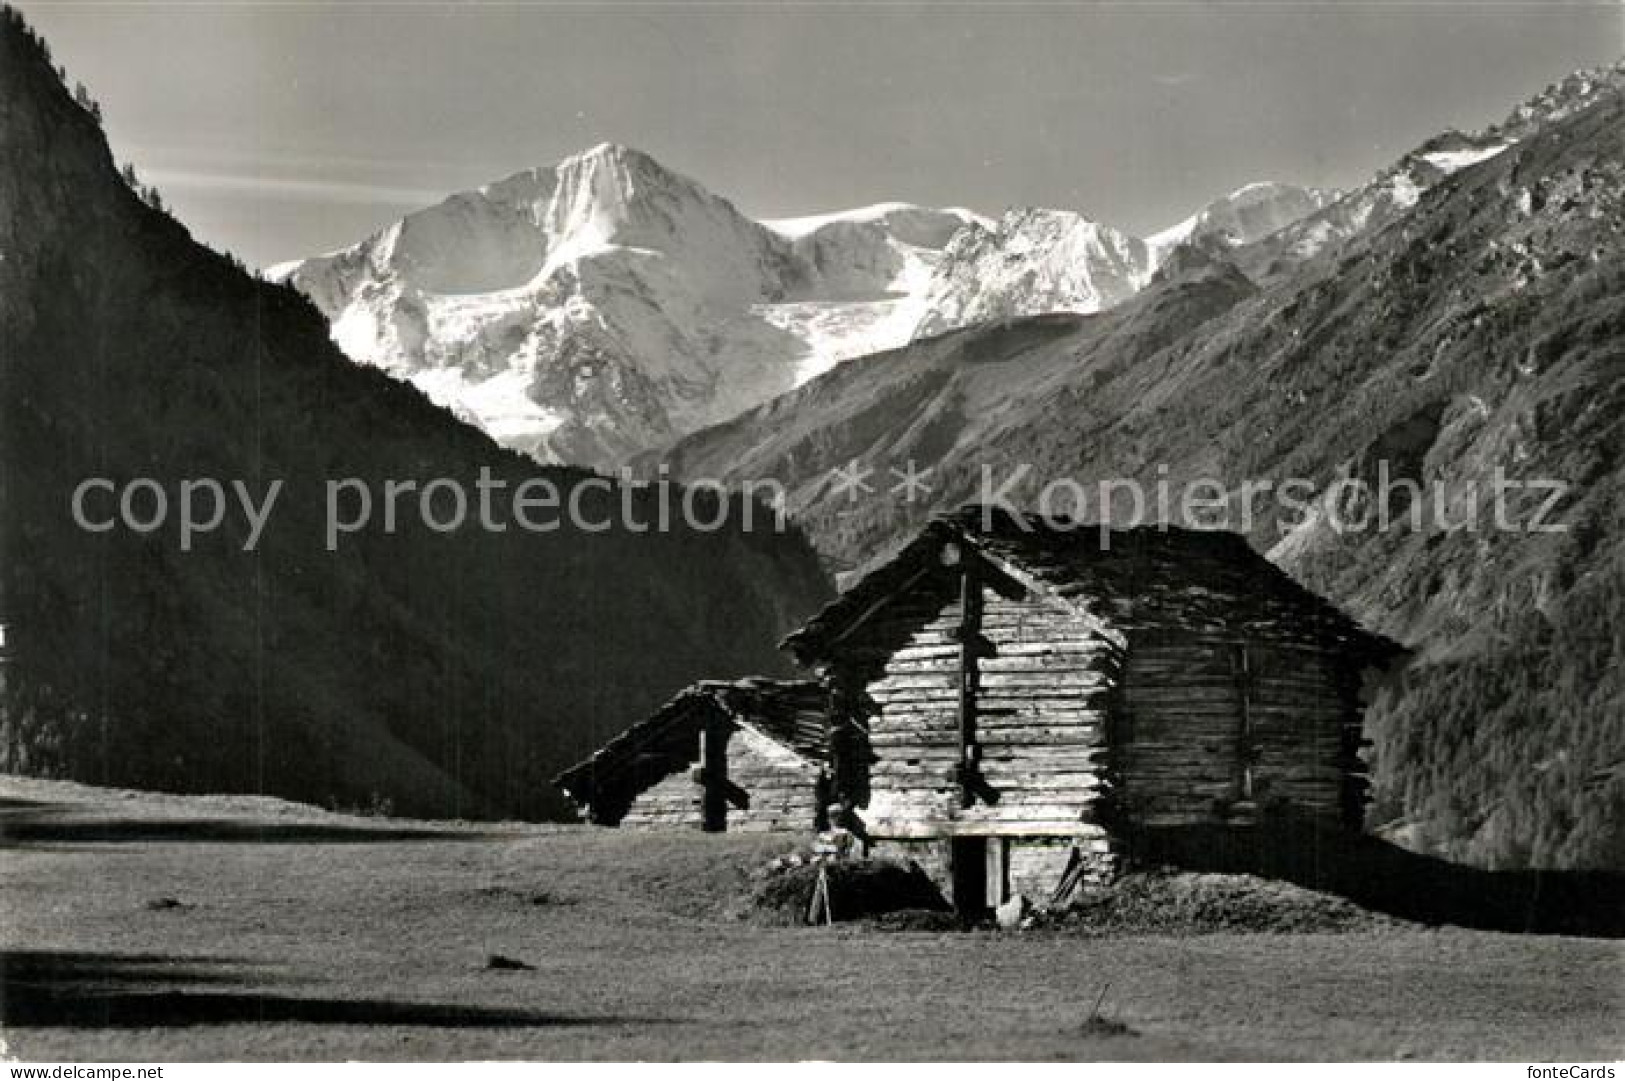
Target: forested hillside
<point>434,673</point>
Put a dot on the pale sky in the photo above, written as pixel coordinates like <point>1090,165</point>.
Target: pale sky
<point>282,128</point>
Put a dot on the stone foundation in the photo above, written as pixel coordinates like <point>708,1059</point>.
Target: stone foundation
<point>1031,866</point>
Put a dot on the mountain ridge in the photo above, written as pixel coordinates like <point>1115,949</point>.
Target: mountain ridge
<point>595,310</point>
<point>1395,189</point>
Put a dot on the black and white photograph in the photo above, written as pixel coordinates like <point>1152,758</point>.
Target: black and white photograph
<point>820,533</point>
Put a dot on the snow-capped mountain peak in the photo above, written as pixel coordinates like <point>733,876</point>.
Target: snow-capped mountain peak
<point>598,308</point>
<point>612,195</point>
<point>602,306</point>
<point>1032,260</point>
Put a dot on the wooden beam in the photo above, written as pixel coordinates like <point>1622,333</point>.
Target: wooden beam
<point>714,777</point>
<point>1249,750</point>
<point>864,616</point>
<point>970,623</point>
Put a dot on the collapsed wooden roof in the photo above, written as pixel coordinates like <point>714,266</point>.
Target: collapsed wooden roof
<point>1144,578</point>
<point>788,712</point>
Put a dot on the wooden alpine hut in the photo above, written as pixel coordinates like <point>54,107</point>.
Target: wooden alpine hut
<point>746,755</point>
<point>1015,702</point>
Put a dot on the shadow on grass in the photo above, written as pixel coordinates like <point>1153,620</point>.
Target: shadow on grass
<point>50,989</point>
<point>47,824</point>
<point>1385,878</point>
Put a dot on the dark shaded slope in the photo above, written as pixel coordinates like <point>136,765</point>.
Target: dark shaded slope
<point>442,674</point>
<point>1479,337</point>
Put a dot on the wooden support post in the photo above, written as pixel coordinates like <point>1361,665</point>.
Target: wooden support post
<point>7,635</point>
<point>823,904</point>
<point>970,630</point>
<point>835,742</point>
<point>1246,749</point>
<point>713,778</point>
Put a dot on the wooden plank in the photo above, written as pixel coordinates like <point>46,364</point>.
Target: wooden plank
<point>908,829</point>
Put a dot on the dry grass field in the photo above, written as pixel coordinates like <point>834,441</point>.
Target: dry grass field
<point>141,927</point>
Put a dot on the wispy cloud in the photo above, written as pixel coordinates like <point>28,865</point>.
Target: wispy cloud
<point>299,189</point>
<point>268,157</point>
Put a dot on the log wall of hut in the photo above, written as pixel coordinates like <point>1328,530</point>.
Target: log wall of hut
<point>772,789</point>
<point>902,664</point>
<point>1305,712</point>
<point>784,791</point>
<point>672,802</point>
<point>1038,692</point>
<point>1041,690</point>
<point>1220,731</point>
<point>1179,729</point>
<point>1040,681</point>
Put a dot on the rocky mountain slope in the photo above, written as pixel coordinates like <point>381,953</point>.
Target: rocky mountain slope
<point>436,673</point>
<point>1396,189</point>
<point>606,306</point>
<point>1036,262</point>
<point>1474,339</point>
<point>1245,216</point>
<point>1033,261</point>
